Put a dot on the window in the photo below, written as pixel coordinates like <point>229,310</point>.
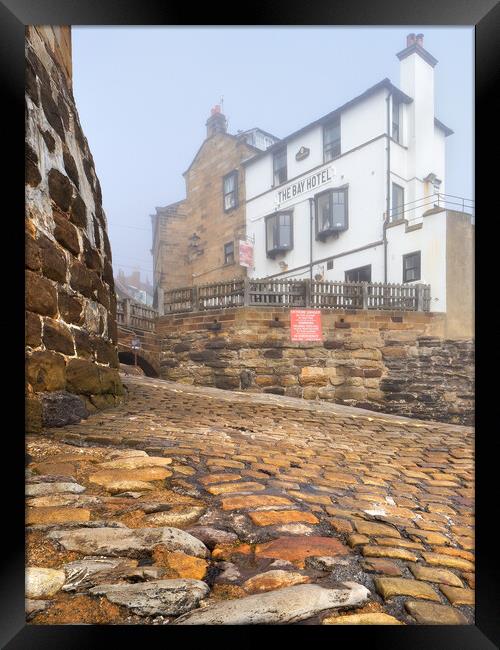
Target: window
<point>331,212</point>
<point>280,173</point>
<point>398,202</point>
<point>229,253</point>
<point>230,189</point>
<point>331,140</point>
<point>279,233</point>
<point>361,274</point>
<point>329,265</point>
<point>411,267</point>
<point>396,119</point>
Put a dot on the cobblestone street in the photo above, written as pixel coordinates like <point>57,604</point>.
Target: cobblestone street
<point>197,505</point>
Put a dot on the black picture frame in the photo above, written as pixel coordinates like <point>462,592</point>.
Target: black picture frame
<point>485,16</point>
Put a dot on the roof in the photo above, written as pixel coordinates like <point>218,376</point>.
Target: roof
<point>229,135</point>
<point>418,49</point>
<point>385,83</point>
<point>446,129</point>
<point>171,207</point>
<point>256,128</point>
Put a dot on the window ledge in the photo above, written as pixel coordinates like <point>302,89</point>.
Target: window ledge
<point>399,143</point>
<point>277,251</point>
<point>325,234</point>
<point>396,222</point>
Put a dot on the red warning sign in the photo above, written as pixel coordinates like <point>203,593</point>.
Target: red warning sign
<point>305,325</point>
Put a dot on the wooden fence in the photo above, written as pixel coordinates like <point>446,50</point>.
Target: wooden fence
<point>249,292</point>
<point>135,315</point>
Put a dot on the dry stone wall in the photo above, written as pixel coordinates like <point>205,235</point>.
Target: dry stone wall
<point>71,358</point>
<point>395,362</point>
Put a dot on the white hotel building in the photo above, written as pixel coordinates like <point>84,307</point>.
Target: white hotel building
<point>359,195</point>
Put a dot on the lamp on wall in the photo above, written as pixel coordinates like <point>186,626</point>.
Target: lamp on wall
<point>283,265</point>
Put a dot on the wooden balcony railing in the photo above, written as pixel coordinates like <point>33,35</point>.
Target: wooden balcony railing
<point>298,293</point>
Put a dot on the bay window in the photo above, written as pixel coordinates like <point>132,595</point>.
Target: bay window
<point>331,212</point>
<point>279,233</point>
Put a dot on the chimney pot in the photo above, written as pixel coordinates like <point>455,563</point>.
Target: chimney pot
<point>216,123</point>
<point>410,39</point>
<point>420,40</point>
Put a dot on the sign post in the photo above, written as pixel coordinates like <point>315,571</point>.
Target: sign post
<point>305,325</point>
<point>136,345</point>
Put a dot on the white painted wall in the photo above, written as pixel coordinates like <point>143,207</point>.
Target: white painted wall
<point>313,140</point>
<point>359,124</point>
<point>364,121</point>
<point>430,240</point>
<point>417,81</point>
<point>363,171</point>
<point>439,157</point>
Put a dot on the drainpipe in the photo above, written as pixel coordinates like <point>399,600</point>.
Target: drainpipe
<point>311,201</point>
<point>388,196</point>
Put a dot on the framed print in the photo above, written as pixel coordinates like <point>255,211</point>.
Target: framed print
<point>279,435</point>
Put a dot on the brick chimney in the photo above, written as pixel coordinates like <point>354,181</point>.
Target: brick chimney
<point>411,39</point>
<point>216,123</point>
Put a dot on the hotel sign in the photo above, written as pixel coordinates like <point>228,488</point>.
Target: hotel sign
<point>306,184</point>
<point>246,254</point>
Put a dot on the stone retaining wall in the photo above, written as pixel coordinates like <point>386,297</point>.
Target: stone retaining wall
<point>395,362</point>
<point>70,298</point>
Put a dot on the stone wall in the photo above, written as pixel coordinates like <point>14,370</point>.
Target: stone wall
<point>170,249</point>
<point>459,275</point>
<point>397,362</point>
<point>71,358</point>
<point>189,236</point>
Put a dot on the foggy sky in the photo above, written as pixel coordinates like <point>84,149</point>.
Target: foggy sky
<point>144,94</point>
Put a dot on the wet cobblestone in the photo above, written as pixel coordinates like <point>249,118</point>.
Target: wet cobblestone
<point>392,496</point>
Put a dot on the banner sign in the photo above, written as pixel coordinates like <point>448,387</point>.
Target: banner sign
<point>246,254</point>
<point>305,325</point>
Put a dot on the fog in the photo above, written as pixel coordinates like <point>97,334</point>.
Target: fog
<point>144,95</point>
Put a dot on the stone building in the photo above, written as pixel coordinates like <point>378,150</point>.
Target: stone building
<point>71,358</point>
<point>133,287</point>
<point>196,239</point>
